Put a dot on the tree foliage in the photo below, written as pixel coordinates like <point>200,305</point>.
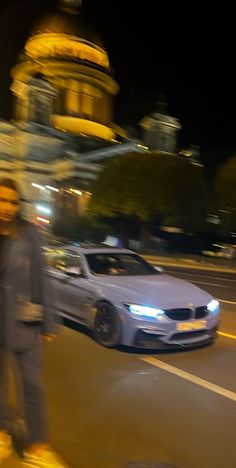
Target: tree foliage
<point>152,186</point>
<point>80,229</point>
<point>225,190</point>
<point>125,187</point>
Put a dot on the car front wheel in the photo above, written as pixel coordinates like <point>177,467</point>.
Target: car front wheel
<point>107,327</point>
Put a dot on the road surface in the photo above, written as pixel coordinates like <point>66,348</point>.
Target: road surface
<point>128,409</point>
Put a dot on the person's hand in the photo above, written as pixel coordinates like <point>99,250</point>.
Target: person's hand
<point>48,337</point>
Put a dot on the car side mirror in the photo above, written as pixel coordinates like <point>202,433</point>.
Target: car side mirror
<point>74,272</point>
<point>160,269</point>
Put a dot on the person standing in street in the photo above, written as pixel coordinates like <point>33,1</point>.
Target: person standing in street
<point>26,316</point>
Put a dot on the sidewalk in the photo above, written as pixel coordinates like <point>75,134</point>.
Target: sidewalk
<point>197,263</point>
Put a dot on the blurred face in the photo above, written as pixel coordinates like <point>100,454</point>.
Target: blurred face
<point>9,204</point>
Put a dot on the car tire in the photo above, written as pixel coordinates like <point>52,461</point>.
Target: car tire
<point>107,326</point>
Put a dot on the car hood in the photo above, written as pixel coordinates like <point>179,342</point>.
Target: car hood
<point>161,291</point>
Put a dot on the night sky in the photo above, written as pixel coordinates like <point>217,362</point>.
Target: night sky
<point>186,53</point>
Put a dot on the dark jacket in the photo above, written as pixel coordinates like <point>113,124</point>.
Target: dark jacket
<point>25,273</point>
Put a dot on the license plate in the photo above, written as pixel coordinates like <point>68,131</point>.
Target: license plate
<point>189,326</point>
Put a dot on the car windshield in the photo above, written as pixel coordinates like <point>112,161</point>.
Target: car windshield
<point>119,264</point>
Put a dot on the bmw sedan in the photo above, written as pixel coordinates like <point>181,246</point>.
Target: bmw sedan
<point>125,300</point>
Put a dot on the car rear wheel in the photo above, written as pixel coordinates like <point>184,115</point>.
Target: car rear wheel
<point>107,327</point>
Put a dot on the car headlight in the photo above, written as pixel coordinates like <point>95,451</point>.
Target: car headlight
<point>146,311</point>
<point>213,306</point>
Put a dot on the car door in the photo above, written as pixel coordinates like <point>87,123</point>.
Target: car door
<point>55,260</point>
<point>77,290</point>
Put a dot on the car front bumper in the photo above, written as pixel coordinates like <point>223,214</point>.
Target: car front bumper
<point>164,333</point>
<point>144,339</point>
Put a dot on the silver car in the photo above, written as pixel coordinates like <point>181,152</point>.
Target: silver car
<point>125,300</point>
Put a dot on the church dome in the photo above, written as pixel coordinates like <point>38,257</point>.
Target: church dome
<point>65,34</point>
<point>65,69</point>
<point>67,20</point>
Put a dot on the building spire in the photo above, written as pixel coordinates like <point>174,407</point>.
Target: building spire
<point>161,105</point>
<point>70,6</point>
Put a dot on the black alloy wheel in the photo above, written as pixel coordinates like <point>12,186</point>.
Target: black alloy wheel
<point>107,327</point>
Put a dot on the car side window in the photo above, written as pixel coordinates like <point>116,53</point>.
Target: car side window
<point>55,259</point>
<point>72,263</point>
<point>131,265</point>
<point>64,261</point>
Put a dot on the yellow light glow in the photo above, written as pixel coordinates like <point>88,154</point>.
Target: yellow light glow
<point>82,126</point>
<point>58,73</point>
<point>77,192</point>
<point>87,105</point>
<point>43,220</point>
<point>72,101</point>
<point>62,45</point>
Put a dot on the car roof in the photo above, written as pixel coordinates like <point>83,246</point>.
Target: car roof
<point>92,249</point>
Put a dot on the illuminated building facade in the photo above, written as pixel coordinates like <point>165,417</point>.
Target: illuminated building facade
<point>160,130</point>
<point>62,131</point>
<point>62,127</point>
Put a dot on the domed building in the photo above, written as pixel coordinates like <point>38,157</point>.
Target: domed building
<point>78,97</point>
<point>62,129</point>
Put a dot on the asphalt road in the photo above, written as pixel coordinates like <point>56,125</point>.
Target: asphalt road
<point>128,409</point>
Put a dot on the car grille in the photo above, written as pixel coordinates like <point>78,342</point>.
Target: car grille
<point>186,314</point>
<point>189,335</point>
<point>201,312</point>
<point>178,314</point>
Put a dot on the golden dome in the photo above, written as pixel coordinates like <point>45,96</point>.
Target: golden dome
<point>72,58</point>
<point>65,23</point>
<point>66,35</point>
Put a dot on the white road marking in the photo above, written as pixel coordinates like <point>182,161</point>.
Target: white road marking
<point>227,302</point>
<point>206,276</point>
<point>190,377</point>
<point>209,284</point>
<point>227,335</point>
